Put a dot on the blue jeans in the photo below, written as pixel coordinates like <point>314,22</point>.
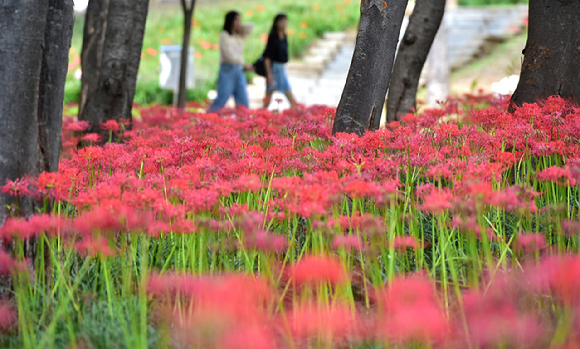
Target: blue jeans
<point>231,80</point>
<point>280,78</point>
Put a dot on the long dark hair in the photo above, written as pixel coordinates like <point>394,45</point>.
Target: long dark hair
<point>278,18</point>
<point>229,21</point>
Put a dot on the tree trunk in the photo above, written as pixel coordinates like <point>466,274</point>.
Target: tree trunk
<point>139,16</point>
<point>22,24</point>
<point>111,98</point>
<point>364,95</point>
<point>92,51</point>
<point>57,38</point>
<point>551,63</point>
<point>187,16</point>
<point>413,51</point>
<point>34,46</point>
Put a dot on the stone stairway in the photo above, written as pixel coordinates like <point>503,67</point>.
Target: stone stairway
<point>473,29</point>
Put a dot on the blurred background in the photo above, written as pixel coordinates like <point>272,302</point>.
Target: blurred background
<point>485,40</point>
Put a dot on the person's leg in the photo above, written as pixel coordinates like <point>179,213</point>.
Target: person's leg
<point>291,99</point>
<point>241,88</point>
<point>225,87</point>
<point>285,87</point>
<point>268,98</point>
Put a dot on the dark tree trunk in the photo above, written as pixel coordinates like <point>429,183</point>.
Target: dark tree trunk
<point>22,24</point>
<point>57,38</point>
<point>413,51</point>
<point>551,63</point>
<point>187,16</point>
<point>364,95</point>
<point>111,97</point>
<point>34,47</point>
<point>92,51</point>
<point>139,16</point>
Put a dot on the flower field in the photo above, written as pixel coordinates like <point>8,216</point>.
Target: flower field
<point>455,228</point>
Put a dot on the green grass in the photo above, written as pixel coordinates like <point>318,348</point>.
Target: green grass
<point>307,21</point>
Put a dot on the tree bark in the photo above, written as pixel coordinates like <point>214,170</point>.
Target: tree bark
<point>57,38</point>
<point>22,24</point>
<point>92,51</point>
<point>551,63</point>
<point>139,16</point>
<point>187,16</point>
<point>111,98</point>
<point>413,50</point>
<point>34,44</point>
<point>363,97</point>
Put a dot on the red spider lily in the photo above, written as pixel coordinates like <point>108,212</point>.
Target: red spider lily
<point>248,222</point>
<point>92,138</point>
<point>18,228</point>
<point>162,156</point>
<point>318,269</point>
<point>184,226</point>
<point>410,312</point>
<point>438,201</point>
<point>91,153</point>
<point>335,323</point>
<point>571,227</point>
<point>248,337</point>
<point>94,246</point>
<point>137,221</point>
<point>214,295</point>
<point>559,175</point>
<point>10,265</point>
<point>347,241</point>
<point>100,219</point>
<point>506,158</point>
<point>78,126</point>
<point>530,242</point>
<point>248,183</point>
<point>18,187</point>
<point>493,319</point>
<point>558,275</point>
<point>49,224</point>
<point>401,243</point>
<point>50,183</point>
<point>8,316</point>
<point>110,125</point>
<point>366,223</point>
<point>265,241</point>
<point>358,188</point>
<point>156,228</point>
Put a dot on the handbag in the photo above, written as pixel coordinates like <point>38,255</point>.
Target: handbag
<point>259,67</point>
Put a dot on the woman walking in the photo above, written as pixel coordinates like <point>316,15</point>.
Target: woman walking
<point>231,78</point>
<point>275,58</point>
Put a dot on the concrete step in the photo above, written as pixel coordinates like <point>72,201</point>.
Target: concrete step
<point>334,36</point>
<point>316,60</point>
<point>327,52</point>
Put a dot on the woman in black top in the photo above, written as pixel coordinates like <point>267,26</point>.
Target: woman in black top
<point>275,56</point>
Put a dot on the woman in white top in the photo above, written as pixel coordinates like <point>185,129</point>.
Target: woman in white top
<point>231,78</point>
